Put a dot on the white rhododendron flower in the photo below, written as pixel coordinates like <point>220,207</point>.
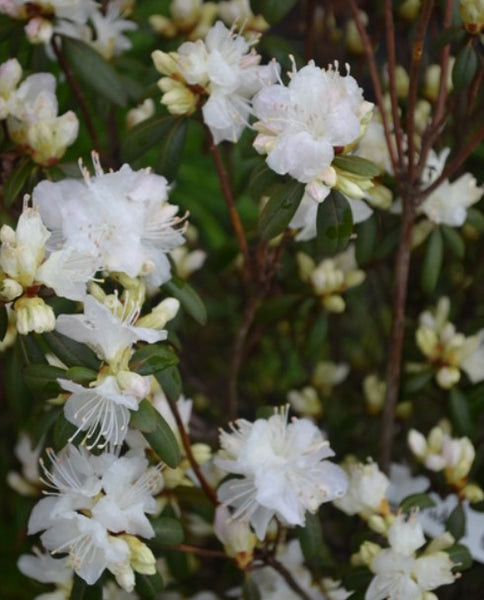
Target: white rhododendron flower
<point>282,470</point>
<point>399,574</point>
<point>222,72</point>
<point>109,39</point>
<point>120,219</point>
<point>43,567</point>
<point>367,487</point>
<point>96,505</point>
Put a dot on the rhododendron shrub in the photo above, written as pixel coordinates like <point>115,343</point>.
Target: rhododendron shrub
<point>241,313</point>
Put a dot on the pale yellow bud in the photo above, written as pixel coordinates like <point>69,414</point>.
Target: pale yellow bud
<point>10,289</point>
<point>201,452</point>
<point>409,9</point>
<point>306,401</point>
<point>473,493</point>
<point>334,303</point>
<point>435,440</point>
<point>423,111</point>
<point>165,311</point>
<point>141,557</point>
<point>417,443</point>
<point>374,390</point>
<point>442,542</point>
<point>354,42</point>
<point>427,341</point>
<point>166,63</point>
<point>33,314</point>
<point>137,115</point>
<point>404,410</point>
<point>162,25</point>
<point>472,15</point>
<point>447,377</point>
<point>377,524</point>
<point>402,81</point>
<point>305,264</point>
<point>380,196</point>
<point>354,278</point>
<point>179,100</point>
<point>365,555</point>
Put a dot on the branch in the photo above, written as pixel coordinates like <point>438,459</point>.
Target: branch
<point>78,93</point>
<point>286,574</point>
<point>207,488</point>
<point>188,549</point>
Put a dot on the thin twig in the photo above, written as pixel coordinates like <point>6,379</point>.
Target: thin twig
<point>207,488</point>
<point>229,199</point>
<point>188,549</point>
<point>78,93</point>
<point>376,85</point>
<point>286,574</point>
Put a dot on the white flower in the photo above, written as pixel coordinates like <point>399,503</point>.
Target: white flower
<point>367,487</point>
<point>10,75</point>
<point>282,471</point>
<point>110,27</point>
<point>121,219</point>
<point>44,568</point>
<point>26,483</point>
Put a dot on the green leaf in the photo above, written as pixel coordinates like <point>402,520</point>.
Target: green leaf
<point>414,383</point>
<point>17,180</point>
<point>476,219</point>
<point>465,67</point>
<point>3,321</point>
<point>432,261</point>
<point>250,589</point>
<point>279,210</point>
<point>312,542</point>
<point>144,418</point>
<point>460,556</point>
<point>63,432</point>
<point>163,441</point>
<point>456,522</point>
<point>93,70</point>
<point>365,240</point>
<point>81,375</point>
<point>261,180</point>
<point>144,136</point>
<point>459,410</point>
<point>272,10</point>
<point>43,377</point>
<point>152,358</point>
<point>171,149</point>
<point>357,165</point>
<point>170,381</point>
<point>168,532</point>
<point>70,352</point>
<point>149,587</point>
<point>334,223</point>
<point>30,349</point>
<point>453,241</point>
<point>188,297</point>
<point>416,501</point>
<point>82,591</point>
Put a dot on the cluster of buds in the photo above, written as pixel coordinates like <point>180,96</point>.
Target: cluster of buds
<point>453,456</point>
<point>447,350</point>
<point>331,277</point>
<point>30,110</point>
<point>472,15</point>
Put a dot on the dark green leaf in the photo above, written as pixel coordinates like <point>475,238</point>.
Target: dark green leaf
<point>152,358</point>
<point>261,180</point>
<point>280,208</point>
<point>416,501</point>
<point>168,532</point>
<point>465,67</point>
<point>170,381</point>
<point>149,587</point>
<point>81,375</point>
<point>16,181</point>
<point>70,352</point>
<point>459,410</point>
<point>334,223</point>
<point>475,218</point>
<point>250,590</point>
<point>144,136</point>
<point>43,377</point>
<point>171,149</point>
<point>365,240</point>
<point>3,321</point>
<point>63,432</point>
<point>317,335</point>
<point>452,34</point>
<point>163,441</point>
<point>357,165</point>
<point>93,70</point>
<point>144,418</point>
<point>357,578</point>
<point>312,542</point>
<point>188,297</point>
<point>265,411</point>
<point>414,383</point>
<point>30,349</point>
<point>82,591</point>
<point>272,10</point>
<point>460,556</point>
<point>456,522</point>
<point>454,241</point>
<point>432,261</point>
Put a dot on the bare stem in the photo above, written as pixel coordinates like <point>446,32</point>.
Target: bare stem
<point>229,199</point>
<point>286,574</point>
<point>78,93</point>
<point>188,549</point>
<point>207,488</point>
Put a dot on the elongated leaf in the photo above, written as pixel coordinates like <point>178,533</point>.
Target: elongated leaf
<point>272,10</point>
<point>93,70</point>
<point>144,418</point>
<point>460,556</point>
<point>414,383</point>
<point>262,179</point>
<point>81,375</point>
<point>16,181</point>
<point>144,136</point>
<point>432,262</point>
<point>149,587</point>
<point>456,522</point>
<point>366,233</point>
<point>170,381</point>
<point>454,241</point>
<point>465,67</point>
<point>70,352</point>
<point>188,297</point>
<point>279,210</point>
<point>163,441</point>
<point>82,591</point>
<point>168,532</point>
<point>43,377</point>
<point>459,409</point>
<point>416,501</point>
<point>151,359</point>
<point>171,149</point>
<point>312,543</point>
<point>357,165</point>
<point>334,223</point>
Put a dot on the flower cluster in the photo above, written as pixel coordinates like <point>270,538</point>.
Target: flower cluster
<point>30,110</point>
<point>220,74</point>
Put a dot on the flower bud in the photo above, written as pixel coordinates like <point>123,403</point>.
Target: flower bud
<point>409,9</point>
<point>306,401</point>
<point>427,341</point>
<point>179,100</point>
<point>402,81</point>
<point>473,493</point>
<point>165,311</point>
<point>472,15</point>
<point>133,384</point>
<point>334,303</point>
<point>377,524</point>
<point>447,377</point>
<point>417,443</point>
<point>238,540</point>
<point>367,552</point>
<point>374,390</point>
<point>165,63</point>
<point>10,289</point>
<point>33,314</point>
<point>141,559</point>
<point>137,115</point>
<point>379,196</point>
<point>39,30</point>
<point>162,25</point>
